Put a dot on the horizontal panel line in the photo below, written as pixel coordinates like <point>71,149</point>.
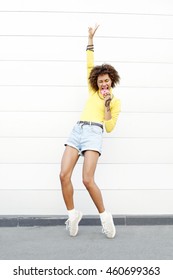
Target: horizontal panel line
<point>84,190</point>
<point>81,163</point>
<point>147,87</point>
<point>82,61</point>
<point>63,137</point>
<point>104,163</point>
<point>80,36</point>
<point>68,86</point>
<point>46,111</point>
<point>83,86</point>
<point>89,12</point>
<point>85,12</point>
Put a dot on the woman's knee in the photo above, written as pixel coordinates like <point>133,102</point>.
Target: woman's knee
<point>64,176</point>
<point>88,181</point>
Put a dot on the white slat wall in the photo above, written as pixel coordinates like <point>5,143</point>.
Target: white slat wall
<point>43,90</point>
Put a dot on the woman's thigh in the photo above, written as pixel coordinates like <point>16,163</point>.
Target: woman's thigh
<point>90,163</point>
<point>69,160</point>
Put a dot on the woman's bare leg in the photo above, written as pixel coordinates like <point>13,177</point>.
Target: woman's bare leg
<point>68,163</point>
<point>89,167</point>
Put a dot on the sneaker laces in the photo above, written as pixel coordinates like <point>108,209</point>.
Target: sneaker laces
<point>68,223</point>
<point>105,229</point>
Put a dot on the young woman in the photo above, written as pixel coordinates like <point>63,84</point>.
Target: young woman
<point>102,108</point>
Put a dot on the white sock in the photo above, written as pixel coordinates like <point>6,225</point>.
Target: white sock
<point>103,215</point>
<point>71,213</point>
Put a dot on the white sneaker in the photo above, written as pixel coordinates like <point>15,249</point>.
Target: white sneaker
<point>108,226</point>
<point>72,224</point>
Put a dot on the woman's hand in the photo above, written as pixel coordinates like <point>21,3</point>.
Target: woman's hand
<point>107,99</point>
<point>92,30</point>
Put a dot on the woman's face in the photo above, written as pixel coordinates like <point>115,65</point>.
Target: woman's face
<point>104,82</point>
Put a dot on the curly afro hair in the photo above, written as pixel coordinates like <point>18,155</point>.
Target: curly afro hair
<point>101,70</point>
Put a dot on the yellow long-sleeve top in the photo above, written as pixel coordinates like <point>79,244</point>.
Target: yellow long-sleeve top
<point>94,109</point>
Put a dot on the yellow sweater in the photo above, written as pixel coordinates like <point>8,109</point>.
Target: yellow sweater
<point>94,109</point>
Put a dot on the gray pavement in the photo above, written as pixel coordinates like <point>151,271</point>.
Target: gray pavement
<point>54,243</point>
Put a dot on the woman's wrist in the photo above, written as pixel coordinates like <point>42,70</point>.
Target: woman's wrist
<point>90,40</point>
<point>90,47</point>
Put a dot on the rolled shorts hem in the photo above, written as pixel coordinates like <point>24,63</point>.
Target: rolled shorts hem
<point>81,152</point>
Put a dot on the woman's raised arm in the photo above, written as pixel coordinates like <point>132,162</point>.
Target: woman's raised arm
<point>91,33</point>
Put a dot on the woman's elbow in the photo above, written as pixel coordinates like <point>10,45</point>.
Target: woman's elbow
<point>109,129</point>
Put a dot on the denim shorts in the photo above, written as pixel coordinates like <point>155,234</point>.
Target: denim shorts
<point>86,137</point>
